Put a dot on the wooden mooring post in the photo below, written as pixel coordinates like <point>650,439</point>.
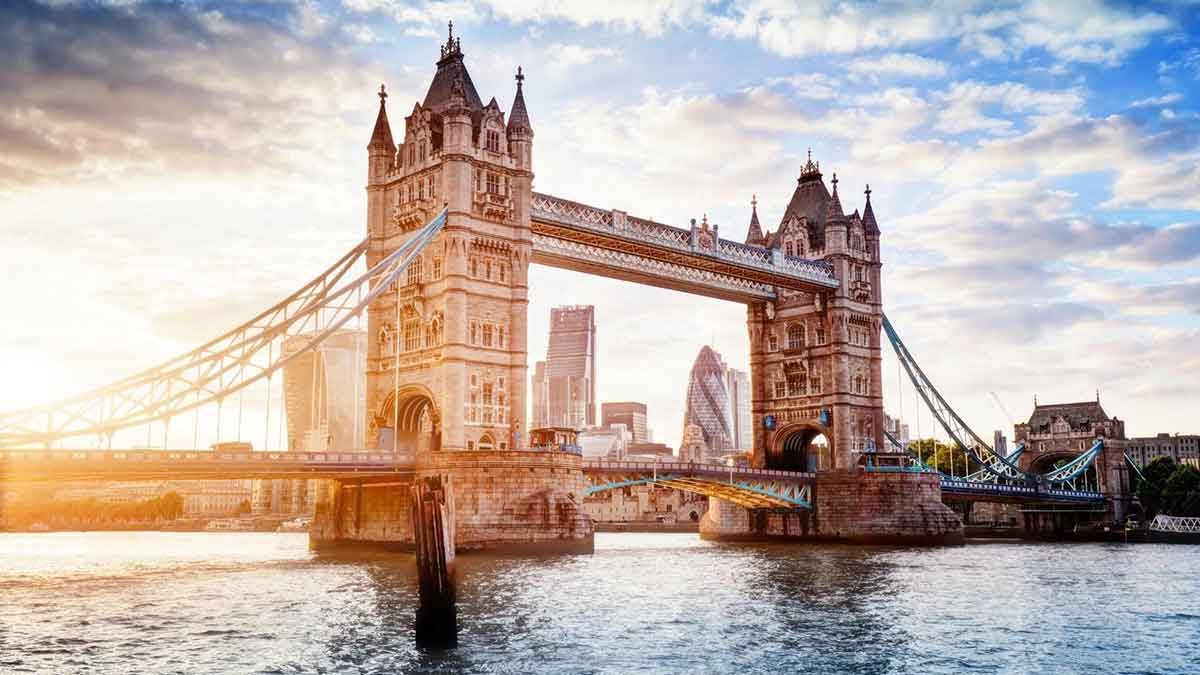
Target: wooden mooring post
<point>433,529</point>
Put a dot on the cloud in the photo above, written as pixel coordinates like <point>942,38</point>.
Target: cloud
<point>1157,101</point>
<point>98,92</point>
<point>814,86</point>
<point>963,105</point>
<point>1091,31</point>
<point>904,65</point>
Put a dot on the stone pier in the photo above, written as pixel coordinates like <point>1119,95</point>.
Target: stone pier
<point>510,501</point>
<point>854,507</point>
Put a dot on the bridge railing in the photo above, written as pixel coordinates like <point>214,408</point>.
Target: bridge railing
<point>567,212</point>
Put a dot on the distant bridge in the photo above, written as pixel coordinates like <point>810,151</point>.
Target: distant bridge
<point>744,486</point>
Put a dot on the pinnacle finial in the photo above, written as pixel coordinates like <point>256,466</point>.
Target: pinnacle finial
<point>382,94</point>
<point>835,182</point>
<point>450,30</point>
<point>520,77</point>
<point>867,192</point>
<point>754,202</point>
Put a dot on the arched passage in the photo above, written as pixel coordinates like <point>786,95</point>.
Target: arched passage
<point>801,447</point>
<point>414,425</point>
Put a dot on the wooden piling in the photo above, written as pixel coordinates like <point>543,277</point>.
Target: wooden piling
<point>433,529</point>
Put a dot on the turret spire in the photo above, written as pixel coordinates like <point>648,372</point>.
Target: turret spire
<point>381,136</point>
<point>518,116</point>
<point>754,236</point>
<point>868,218</point>
<point>834,208</point>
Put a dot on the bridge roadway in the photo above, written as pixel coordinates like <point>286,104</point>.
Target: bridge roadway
<point>61,465</point>
<point>744,486</point>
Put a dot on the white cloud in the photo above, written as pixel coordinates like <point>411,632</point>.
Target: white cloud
<point>904,65</point>
<point>1157,101</point>
<point>964,105</point>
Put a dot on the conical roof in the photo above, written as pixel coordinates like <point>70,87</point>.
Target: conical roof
<point>810,200</point>
<point>381,136</point>
<point>868,218</point>
<point>518,117</point>
<point>754,235</point>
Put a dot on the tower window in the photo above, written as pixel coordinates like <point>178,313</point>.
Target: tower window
<point>487,338</point>
<point>493,141</point>
<point>772,342</point>
<point>414,272</point>
<point>493,183</point>
<point>795,336</point>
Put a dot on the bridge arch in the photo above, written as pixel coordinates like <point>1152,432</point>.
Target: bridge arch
<point>794,447</point>
<point>408,419</point>
<point>1045,463</point>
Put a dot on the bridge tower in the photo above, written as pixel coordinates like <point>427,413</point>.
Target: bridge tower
<point>815,358</point>
<point>446,363</point>
<point>446,358</point>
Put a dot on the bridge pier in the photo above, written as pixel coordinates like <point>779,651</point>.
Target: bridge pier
<point>511,501</point>
<point>854,507</point>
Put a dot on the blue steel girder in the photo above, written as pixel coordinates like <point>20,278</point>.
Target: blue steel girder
<point>751,494</point>
<point>1076,467</point>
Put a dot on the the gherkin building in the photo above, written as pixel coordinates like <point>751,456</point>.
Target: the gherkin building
<point>708,402</point>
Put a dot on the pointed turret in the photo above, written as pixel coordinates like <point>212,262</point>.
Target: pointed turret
<point>833,210</point>
<point>381,151</point>
<point>869,224</point>
<point>381,137</point>
<point>518,116</point>
<point>754,236</point>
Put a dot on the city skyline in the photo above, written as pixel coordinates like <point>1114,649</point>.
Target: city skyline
<point>1031,118</point>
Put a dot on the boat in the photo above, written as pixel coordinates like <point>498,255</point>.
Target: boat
<point>300,524</point>
<point>1174,530</point>
<point>229,525</point>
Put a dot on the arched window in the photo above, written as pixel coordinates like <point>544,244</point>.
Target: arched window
<point>473,266</point>
<point>501,269</point>
<point>412,333</point>
<point>795,383</point>
<point>772,342</point>
<point>787,248</point>
<point>500,338</point>
<point>814,384</point>
<point>795,336</point>
<point>414,272</point>
<point>437,269</point>
<point>428,335</point>
<point>486,442</point>
<point>780,388</point>
<point>487,269</point>
<point>473,333</point>
<point>487,337</point>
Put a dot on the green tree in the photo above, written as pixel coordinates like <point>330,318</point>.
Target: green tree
<point>1181,492</point>
<point>1149,488</point>
<point>242,508</point>
<point>170,505</point>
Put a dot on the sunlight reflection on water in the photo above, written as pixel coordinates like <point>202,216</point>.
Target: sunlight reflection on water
<point>262,603</point>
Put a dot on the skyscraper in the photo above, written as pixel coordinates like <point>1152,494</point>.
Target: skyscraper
<point>630,413</point>
<point>708,401</point>
<point>570,372</point>
<point>737,388</point>
<point>537,393</point>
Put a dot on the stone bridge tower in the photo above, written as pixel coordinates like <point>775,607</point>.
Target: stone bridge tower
<point>446,359</point>
<point>815,358</point>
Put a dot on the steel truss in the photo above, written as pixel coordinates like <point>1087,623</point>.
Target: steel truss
<point>227,364</point>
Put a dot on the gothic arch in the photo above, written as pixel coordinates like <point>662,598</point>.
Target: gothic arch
<point>790,447</point>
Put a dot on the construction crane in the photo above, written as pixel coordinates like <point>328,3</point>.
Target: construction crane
<point>1004,410</point>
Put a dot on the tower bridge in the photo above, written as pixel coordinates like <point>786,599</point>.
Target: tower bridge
<point>452,226</point>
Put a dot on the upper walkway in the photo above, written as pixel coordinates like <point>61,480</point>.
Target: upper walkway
<point>612,243</point>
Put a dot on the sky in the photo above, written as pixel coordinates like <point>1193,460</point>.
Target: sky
<point>167,169</point>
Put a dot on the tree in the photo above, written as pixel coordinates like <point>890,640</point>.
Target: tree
<point>170,505</point>
<point>1150,486</point>
<point>1181,492</point>
<point>242,508</point>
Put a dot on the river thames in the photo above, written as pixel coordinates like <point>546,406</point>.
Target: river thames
<point>665,603</point>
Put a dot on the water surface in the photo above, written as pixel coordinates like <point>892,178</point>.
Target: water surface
<point>262,603</point>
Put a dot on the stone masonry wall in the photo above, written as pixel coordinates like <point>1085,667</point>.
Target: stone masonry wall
<point>510,501</point>
<point>859,507</point>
